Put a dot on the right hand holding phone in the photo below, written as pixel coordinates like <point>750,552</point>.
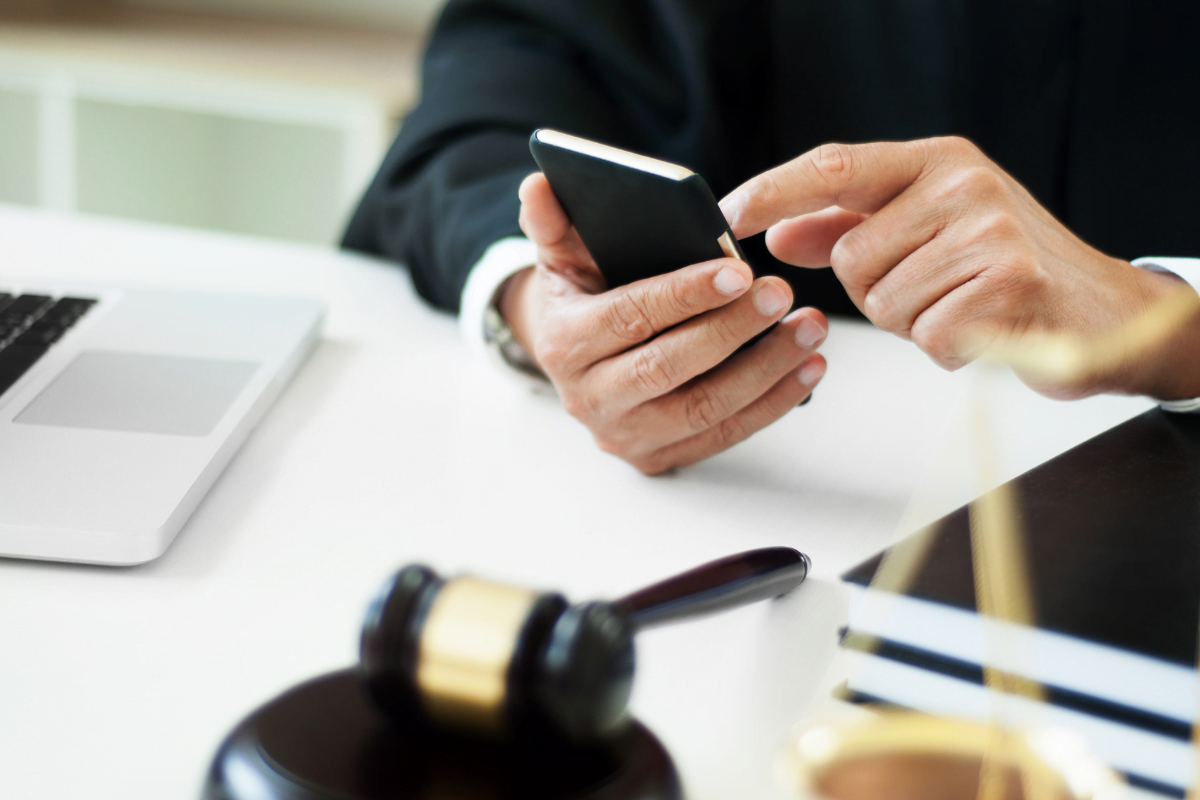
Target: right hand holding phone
<point>651,368</point>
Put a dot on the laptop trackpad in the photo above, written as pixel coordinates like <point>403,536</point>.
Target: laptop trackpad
<point>140,393</point>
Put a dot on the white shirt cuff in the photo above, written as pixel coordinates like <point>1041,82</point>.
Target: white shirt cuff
<point>499,262</point>
<point>1189,270</point>
<point>1186,268</point>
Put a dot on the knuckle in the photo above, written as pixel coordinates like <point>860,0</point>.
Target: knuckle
<point>950,363</point>
<point>1027,272</point>
<point>834,159</point>
<point>610,445</point>
<point>980,182</point>
<point>997,227</point>
<point>551,351</point>
<point>701,409</point>
<point>833,163</point>
<point>883,309</point>
<point>957,145</point>
<point>619,437</point>
<point>627,319</point>
<point>938,342</point>
<point>847,258</point>
<point>652,371</point>
<point>770,187</point>
<point>849,250</point>
<point>651,465</point>
<point>764,373</point>
<point>1011,283</point>
<point>577,405</point>
<point>678,297</point>
<point>722,333</point>
<point>730,431</point>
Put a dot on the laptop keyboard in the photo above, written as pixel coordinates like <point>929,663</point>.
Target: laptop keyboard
<point>29,324</point>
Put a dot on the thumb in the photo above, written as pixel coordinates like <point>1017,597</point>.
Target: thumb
<point>542,217</point>
<point>808,240</point>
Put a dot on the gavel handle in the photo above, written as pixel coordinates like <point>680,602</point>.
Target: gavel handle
<point>726,583</point>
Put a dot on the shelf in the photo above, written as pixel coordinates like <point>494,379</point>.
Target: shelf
<point>380,62</point>
<point>263,127</point>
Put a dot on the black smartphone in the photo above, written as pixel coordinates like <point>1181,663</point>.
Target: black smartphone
<point>638,216</point>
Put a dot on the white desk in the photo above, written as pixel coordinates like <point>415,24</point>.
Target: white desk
<point>393,446</point>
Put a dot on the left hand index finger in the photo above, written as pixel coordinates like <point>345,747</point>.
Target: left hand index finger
<point>856,177</point>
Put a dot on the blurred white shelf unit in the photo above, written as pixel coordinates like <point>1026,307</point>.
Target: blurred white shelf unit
<point>406,15</point>
<point>208,149</point>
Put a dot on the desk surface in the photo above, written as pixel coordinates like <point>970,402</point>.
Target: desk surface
<point>393,446</point>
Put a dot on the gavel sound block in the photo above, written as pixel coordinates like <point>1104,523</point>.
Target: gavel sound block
<point>479,689</point>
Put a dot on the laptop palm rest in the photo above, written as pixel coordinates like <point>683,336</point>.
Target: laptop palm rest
<point>140,393</point>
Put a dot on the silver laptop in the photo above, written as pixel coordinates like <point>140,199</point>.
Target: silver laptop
<point>119,408</point>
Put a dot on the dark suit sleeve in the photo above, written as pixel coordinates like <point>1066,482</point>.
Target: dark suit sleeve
<point>493,72</point>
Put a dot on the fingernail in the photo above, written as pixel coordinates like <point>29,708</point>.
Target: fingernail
<point>769,300</point>
<point>811,372</point>
<point>729,281</point>
<point>729,207</point>
<point>809,334</point>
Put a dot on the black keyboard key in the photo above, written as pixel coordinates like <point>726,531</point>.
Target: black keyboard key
<point>25,308</point>
<point>33,322</point>
<point>77,305</point>
<point>55,321</point>
<point>39,334</point>
<point>5,299</point>
<point>15,361</point>
<point>65,313</point>
<point>8,333</point>
<point>54,317</point>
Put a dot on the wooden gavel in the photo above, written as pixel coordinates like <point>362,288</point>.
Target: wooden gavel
<point>476,656</point>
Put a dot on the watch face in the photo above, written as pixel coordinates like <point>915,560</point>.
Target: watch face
<point>500,340</point>
<point>494,326</point>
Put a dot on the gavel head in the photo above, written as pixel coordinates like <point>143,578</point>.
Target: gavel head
<point>484,657</point>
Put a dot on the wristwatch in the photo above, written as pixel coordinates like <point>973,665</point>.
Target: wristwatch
<point>503,345</point>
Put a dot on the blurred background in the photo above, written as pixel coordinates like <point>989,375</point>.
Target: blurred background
<point>265,117</point>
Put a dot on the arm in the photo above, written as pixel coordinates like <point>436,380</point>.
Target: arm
<point>938,245</point>
<point>493,72</point>
<point>649,368</point>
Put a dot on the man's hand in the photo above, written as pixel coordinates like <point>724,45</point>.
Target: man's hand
<point>938,245</point>
<point>651,368</point>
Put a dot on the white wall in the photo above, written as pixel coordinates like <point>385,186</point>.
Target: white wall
<point>399,14</point>
<point>18,147</point>
<point>210,170</point>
